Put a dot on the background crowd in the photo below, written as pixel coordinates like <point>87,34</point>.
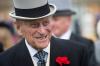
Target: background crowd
<point>85,23</point>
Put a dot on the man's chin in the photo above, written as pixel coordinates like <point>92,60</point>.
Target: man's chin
<point>41,47</point>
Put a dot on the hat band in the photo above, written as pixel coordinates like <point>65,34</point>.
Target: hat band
<point>64,13</point>
<point>35,12</point>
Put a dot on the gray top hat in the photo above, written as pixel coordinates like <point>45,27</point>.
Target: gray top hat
<point>63,7</point>
<point>32,9</point>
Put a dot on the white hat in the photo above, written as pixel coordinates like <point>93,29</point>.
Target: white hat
<point>32,9</point>
<point>64,7</point>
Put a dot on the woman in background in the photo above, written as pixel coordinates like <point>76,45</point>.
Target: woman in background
<point>6,35</point>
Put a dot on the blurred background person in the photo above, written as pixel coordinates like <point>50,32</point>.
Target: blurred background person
<point>87,12</point>
<point>5,6</point>
<point>97,45</point>
<point>87,23</point>
<point>62,21</point>
<point>6,34</point>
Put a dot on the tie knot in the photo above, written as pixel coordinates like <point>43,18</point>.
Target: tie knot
<point>41,55</point>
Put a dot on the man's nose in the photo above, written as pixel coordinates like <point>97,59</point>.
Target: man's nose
<point>42,28</point>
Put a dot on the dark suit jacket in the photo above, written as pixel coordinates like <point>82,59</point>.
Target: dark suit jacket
<point>1,47</point>
<point>89,44</point>
<point>19,54</point>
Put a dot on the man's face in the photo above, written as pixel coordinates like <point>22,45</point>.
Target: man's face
<point>61,24</point>
<point>36,32</point>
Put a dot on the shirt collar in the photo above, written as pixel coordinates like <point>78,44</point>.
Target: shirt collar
<point>66,35</point>
<point>33,51</point>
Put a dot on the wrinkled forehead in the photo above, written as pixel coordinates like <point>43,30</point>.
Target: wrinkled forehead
<point>34,21</point>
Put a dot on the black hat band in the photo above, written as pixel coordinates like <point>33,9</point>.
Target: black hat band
<point>32,13</point>
<point>64,13</point>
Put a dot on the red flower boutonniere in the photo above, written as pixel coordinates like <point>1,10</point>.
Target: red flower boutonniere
<point>62,60</point>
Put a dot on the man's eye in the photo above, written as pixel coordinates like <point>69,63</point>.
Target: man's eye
<point>35,25</point>
<point>45,23</point>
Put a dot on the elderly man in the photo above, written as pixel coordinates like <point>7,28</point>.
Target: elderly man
<point>39,48</point>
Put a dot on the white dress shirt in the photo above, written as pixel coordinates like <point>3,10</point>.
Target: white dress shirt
<point>33,51</point>
<point>66,35</point>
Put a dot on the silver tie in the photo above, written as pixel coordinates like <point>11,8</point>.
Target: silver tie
<point>42,57</point>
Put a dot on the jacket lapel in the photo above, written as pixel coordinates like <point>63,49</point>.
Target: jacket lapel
<point>22,56</point>
<point>54,52</point>
<point>57,49</point>
<point>72,36</point>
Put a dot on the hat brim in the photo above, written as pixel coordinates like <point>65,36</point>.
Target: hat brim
<point>52,11</point>
<point>64,13</point>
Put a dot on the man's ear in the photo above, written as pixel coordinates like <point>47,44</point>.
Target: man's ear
<point>17,27</point>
